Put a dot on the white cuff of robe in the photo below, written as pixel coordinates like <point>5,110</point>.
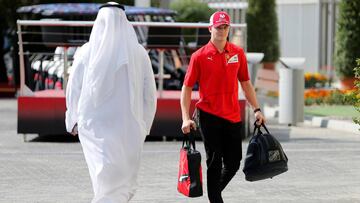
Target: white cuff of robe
<point>70,122</point>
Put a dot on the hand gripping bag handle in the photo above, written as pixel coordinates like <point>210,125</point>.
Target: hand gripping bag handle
<point>189,139</point>
<point>257,127</point>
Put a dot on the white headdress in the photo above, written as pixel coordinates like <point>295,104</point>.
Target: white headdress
<point>110,47</point>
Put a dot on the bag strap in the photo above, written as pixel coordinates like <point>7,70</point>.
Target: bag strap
<point>263,125</point>
<point>258,127</point>
<point>189,139</point>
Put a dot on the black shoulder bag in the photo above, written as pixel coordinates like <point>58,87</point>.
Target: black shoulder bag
<point>265,157</point>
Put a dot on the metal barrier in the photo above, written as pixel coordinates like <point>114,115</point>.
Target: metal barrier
<point>38,39</point>
<point>46,49</point>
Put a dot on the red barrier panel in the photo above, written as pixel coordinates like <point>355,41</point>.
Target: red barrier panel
<point>44,113</point>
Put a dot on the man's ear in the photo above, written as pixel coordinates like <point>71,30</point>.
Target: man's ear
<point>210,29</point>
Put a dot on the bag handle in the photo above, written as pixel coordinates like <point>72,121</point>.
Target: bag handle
<point>257,127</point>
<point>189,139</point>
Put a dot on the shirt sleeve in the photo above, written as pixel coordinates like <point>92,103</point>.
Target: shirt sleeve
<point>192,72</point>
<point>243,73</point>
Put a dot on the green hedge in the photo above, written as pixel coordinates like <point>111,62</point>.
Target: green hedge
<point>262,29</point>
<point>347,47</point>
<point>191,11</point>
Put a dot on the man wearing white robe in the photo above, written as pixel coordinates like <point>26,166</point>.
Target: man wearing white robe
<point>111,103</point>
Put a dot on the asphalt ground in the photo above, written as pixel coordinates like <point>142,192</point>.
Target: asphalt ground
<point>324,166</point>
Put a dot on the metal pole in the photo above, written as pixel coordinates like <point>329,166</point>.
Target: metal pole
<point>161,72</point>
<point>133,23</point>
<point>22,63</point>
<point>331,23</point>
<point>320,37</point>
<point>65,75</point>
<point>244,38</point>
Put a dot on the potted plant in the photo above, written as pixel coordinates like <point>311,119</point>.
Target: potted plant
<point>347,47</point>
<point>262,28</point>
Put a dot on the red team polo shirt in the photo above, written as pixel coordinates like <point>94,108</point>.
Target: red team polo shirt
<point>218,75</point>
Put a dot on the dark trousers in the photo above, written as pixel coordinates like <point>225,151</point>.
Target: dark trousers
<point>222,140</point>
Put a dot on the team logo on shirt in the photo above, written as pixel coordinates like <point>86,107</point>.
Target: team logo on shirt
<point>233,59</point>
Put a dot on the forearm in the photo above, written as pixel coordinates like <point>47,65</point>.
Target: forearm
<point>185,101</point>
<point>250,94</point>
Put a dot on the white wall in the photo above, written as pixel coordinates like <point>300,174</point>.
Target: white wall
<point>142,3</point>
<point>299,31</point>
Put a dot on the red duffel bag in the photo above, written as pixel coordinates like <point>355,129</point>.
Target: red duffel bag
<point>190,172</point>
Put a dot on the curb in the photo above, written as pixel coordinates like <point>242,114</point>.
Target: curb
<point>318,121</point>
<point>324,122</point>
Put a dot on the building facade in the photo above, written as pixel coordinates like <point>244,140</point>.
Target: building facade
<point>306,28</point>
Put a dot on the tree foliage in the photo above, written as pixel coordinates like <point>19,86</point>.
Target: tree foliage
<point>191,11</point>
<point>356,95</point>
<point>347,47</point>
<point>262,29</point>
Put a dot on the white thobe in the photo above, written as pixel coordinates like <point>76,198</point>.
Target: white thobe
<point>111,134</point>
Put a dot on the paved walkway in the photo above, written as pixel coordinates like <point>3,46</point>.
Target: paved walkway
<point>324,166</point>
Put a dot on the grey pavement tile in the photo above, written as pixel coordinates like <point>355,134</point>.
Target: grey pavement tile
<point>324,166</point>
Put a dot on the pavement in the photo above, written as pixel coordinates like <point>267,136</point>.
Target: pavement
<point>324,166</point>
<point>270,108</point>
<point>333,123</point>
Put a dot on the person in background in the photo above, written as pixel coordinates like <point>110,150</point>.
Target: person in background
<point>3,71</point>
<point>111,104</point>
<point>218,67</point>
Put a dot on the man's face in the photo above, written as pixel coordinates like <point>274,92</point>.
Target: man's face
<point>220,32</point>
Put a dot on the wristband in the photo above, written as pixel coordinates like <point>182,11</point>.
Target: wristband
<point>256,110</point>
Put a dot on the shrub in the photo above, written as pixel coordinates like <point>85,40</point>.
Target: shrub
<point>328,96</point>
<point>262,28</point>
<point>347,46</point>
<point>336,98</point>
<point>315,96</point>
<point>315,80</point>
<point>356,95</point>
<point>191,11</point>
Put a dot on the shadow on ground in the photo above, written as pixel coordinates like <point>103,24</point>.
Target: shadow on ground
<point>55,138</point>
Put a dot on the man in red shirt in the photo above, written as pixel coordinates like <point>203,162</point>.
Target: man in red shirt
<point>218,67</point>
